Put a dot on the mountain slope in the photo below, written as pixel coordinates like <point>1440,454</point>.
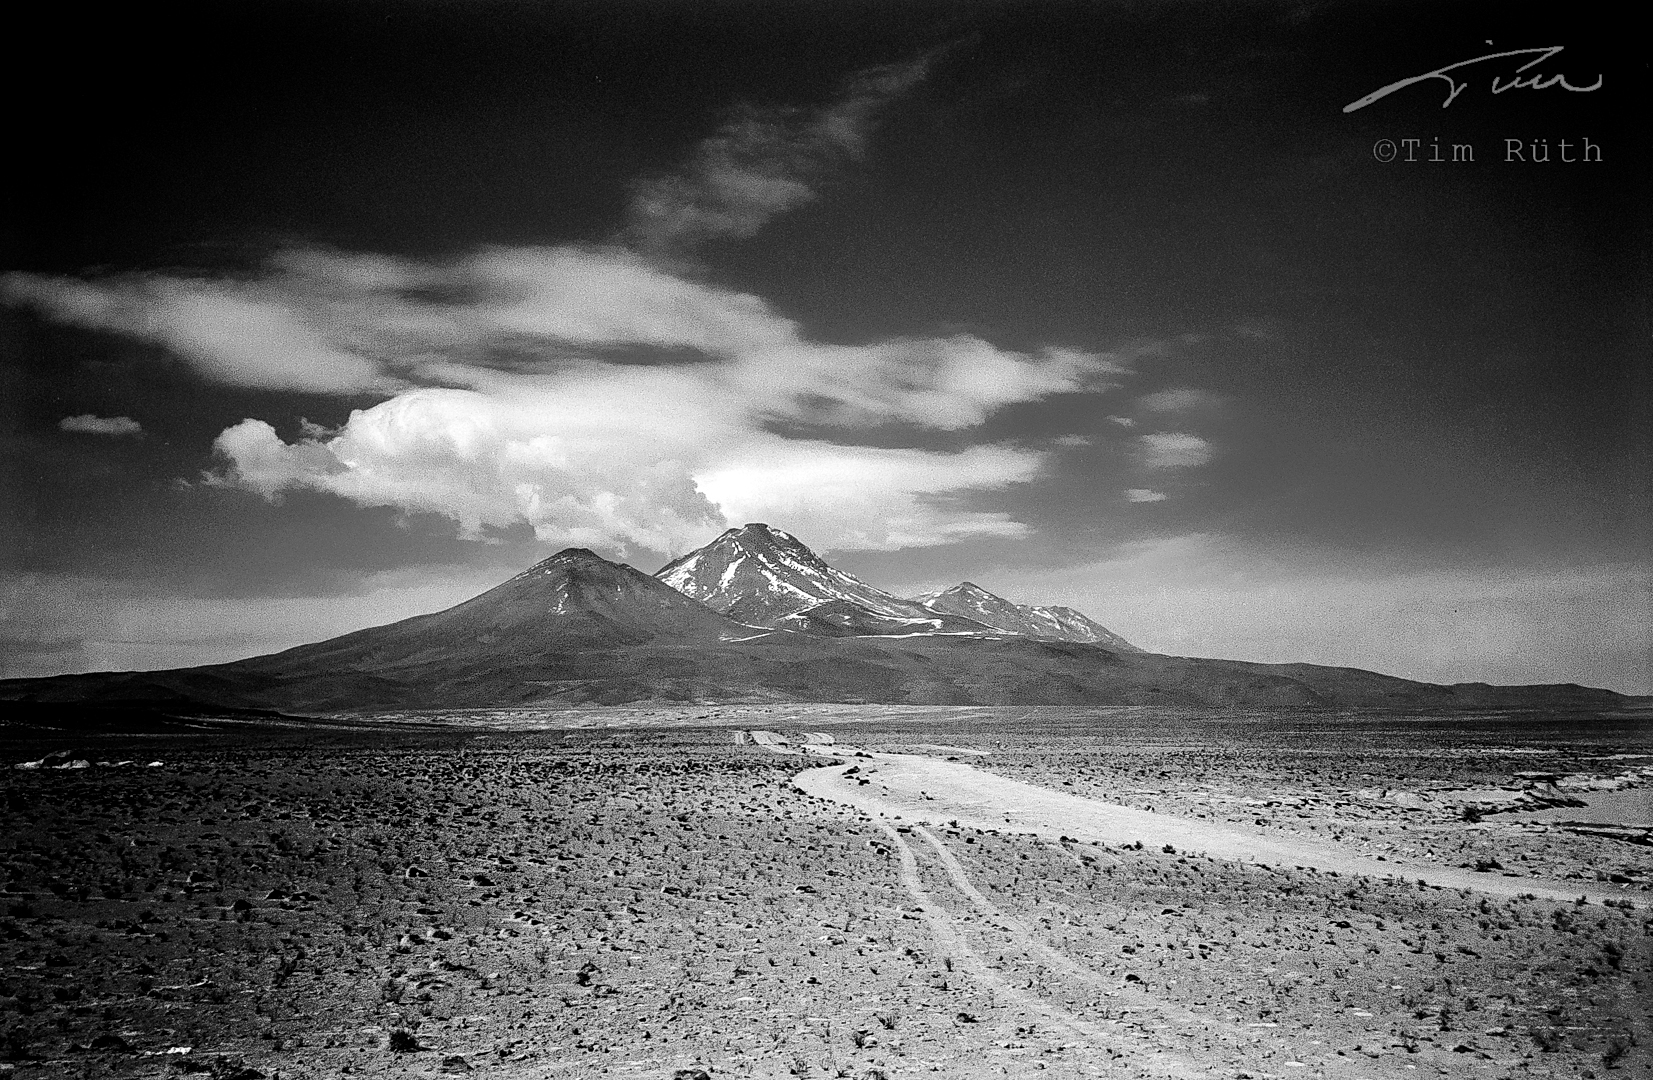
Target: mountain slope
<point>971,601</point>
<point>766,577</point>
<point>573,599</point>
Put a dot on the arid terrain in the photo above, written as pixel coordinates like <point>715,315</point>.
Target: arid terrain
<point>830,891</point>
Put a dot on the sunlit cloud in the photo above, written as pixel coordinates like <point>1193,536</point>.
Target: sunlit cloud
<point>868,498</point>
<point>652,458</point>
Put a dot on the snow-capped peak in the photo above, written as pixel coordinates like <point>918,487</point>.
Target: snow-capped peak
<point>971,601</point>
<point>762,576</point>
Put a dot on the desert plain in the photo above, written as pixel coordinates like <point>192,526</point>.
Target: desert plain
<point>870,892</point>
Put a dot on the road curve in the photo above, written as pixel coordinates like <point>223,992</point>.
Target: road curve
<point>927,790</point>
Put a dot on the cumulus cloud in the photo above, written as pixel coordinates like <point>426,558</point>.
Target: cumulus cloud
<point>761,163</point>
<point>648,457</point>
<point>1174,450</point>
<point>579,477</point>
<point>113,426</point>
<point>1144,495</point>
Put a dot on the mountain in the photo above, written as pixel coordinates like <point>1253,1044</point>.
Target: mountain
<point>971,601</point>
<point>573,598</point>
<point>765,577</point>
<point>573,620</point>
<point>579,629</point>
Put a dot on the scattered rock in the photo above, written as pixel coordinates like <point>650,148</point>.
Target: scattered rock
<point>111,1044</point>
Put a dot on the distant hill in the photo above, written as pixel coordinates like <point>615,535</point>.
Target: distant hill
<point>576,628</point>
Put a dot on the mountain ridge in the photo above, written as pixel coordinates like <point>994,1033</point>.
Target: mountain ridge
<point>767,577</point>
<point>578,629</point>
<point>971,601</point>
<point>762,575</point>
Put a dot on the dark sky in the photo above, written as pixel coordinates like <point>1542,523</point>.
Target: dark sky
<point>318,315</point>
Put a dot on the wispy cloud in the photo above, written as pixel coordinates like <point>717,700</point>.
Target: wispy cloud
<point>1144,495</point>
<point>112,426</point>
<point>764,161</point>
<point>1176,400</point>
<point>228,332</point>
<point>1174,450</point>
<point>607,401</point>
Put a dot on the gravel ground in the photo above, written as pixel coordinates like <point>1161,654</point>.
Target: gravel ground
<point>661,900</point>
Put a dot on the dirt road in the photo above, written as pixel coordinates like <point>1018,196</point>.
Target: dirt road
<point>1115,1021</point>
<point>926,790</point>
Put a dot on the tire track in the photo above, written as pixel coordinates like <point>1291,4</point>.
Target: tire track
<point>1238,1040</point>
<point>1160,1054</point>
<point>1024,936</point>
<point>1113,1038</point>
